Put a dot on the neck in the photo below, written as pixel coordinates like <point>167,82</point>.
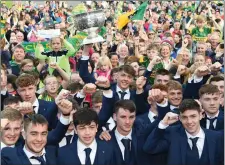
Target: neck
<point>211,114</point>
<point>54,95</point>
<point>87,145</point>
<point>18,62</point>
<point>124,133</point>
<point>37,154</point>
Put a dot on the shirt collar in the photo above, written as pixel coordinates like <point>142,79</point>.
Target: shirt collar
<point>172,107</point>
<point>200,134</point>
<point>30,154</point>
<point>81,146</point>
<point>151,115</point>
<point>71,133</point>
<point>3,145</point>
<point>118,89</point>
<point>120,137</point>
<point>36,103</point>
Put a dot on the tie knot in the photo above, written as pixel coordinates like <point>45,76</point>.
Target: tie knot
<point>126,143</point>
<point>87,151</point>
<point>155,117</point>
<point>194,140</point>
<point>39,158</point>
<point>212,119</point>
<point>122,92</point>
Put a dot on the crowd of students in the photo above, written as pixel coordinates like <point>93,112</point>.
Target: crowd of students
<point>151,93</point>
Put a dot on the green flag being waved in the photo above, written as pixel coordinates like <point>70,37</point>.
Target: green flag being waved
<point>140,12</point>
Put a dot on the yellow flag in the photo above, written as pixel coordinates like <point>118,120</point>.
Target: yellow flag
<point>123,19</point>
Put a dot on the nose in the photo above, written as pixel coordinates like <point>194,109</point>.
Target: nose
<point>39,137</point>
<point>12,132</point>
<point>87,131</point>
<point>27,92</point>
<point>211,102</point>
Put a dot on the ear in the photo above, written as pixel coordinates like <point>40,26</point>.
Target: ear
<point>114,116</point>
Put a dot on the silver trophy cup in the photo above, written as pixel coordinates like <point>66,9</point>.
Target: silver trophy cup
<point>90,22</point>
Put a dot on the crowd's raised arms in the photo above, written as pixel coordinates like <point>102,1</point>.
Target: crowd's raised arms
<point>112,82</point>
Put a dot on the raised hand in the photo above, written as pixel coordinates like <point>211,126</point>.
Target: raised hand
<point>140,82</point>
<point>65,106</point>
<point>25,108</point>
<point>181,69</point>
<point>62,95</point>
<point>102,81</point>
<point>170,118</point>
<point>202,71</point>
<point>156,95</point>
<point>89,88</point>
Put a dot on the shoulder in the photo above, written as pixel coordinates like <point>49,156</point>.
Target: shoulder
<point>63,150</point>
<point>8,150</point>
<point>105,145</point>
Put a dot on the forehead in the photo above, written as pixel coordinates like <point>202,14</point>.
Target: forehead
<point>27,87</point>
<point>124,73</point>
<point>91,124</point>
<point>126,112</point>
<point>174,90</point>
<point>162,77</point>
<point>14,124</point>
<point>56,40</point>
<point>51,79</point>
<point>190,112</point>
<point>19,49</point>
<point>37,127</point>
<point>95,55</point>
<point>218,82</point>
<point>211,95</point>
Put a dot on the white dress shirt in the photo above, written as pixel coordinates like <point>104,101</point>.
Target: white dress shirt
<point>30,154</point>
<point>200,142</point>
<point>208,122</point>
<point>127,95</point>
<point>119,137</point>
<point>151,116</point>
<point>173,107</point>
<point>112,124</point>
<point>82,154</point>
<point>36,104</point>
<point>3,145</point>
<point>63,141</point>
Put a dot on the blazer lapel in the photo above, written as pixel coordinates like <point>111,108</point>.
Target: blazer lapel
<point>220,121</point>
<point>117,148</point>
<point>134,144</point>
<point>22,156</point>
<point>74,159</point>
<point>183,144</point>
<point>41,109</point>
<point>203,122</point>
<point>50,157</point>
<point>211,146</point>
<point>99,157</point>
